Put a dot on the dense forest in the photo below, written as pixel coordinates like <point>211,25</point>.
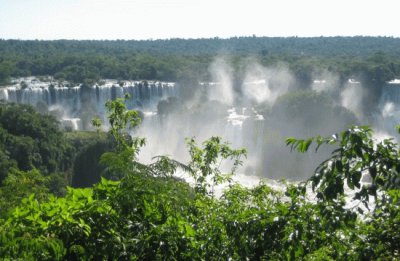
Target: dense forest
<point>85,195</point>
<point>139,211</point>
<point>358,46</point>
<point>180,59</point>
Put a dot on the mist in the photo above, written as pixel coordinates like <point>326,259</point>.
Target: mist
<point>325,81</point>
<point>264,85</point>
<point>246,103</point>
<point>258,115</point>
<point>221,88</point>
<point>352,98</point>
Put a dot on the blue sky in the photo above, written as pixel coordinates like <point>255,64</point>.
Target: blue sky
<point>155,19</point>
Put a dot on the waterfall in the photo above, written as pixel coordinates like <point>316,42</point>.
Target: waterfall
<point>234,126</point>
<point>71,123</point>
<point>389,106</point>
<point>86,101</point>
<point>4,94</point>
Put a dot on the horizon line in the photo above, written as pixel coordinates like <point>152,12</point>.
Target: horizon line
<point>199,38</point>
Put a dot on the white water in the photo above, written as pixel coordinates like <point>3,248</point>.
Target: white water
<point>75,101</point>
<point>166,136</point>
<point>242,127</point>
<point>71,123</point>
<point>389,106</point>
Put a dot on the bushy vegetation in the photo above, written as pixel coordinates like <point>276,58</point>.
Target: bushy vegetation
<point>29,140</point>
<point>120,208</point>
<point>145,213</point>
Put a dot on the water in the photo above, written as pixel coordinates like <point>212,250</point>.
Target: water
<point>241,126</point>
<point>77,101</point>
<point>389,106</point>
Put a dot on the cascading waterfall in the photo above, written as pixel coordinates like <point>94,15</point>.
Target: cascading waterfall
<point>389,106</point>
<point>75,101</point>
<point>245,128</point>
<point>242,127</point>
<point>4,94</point>
<point>233,130</point>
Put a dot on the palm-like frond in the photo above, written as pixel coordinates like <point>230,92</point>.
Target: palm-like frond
<point>165,166</point>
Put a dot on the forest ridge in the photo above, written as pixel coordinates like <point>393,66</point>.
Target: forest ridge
<point>180,59</point>
<point>357,46</point>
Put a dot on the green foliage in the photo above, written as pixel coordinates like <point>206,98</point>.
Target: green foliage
<point>123,159</point>
<point>356,154</point>
<point>6,163</point>
<point>382,230</point>
<point>6,69</point>
<point>180,59</point>
<point>75,221</point>
<point>87,169</point>
<point>19,185</point>
<point>205,165</point>
<point>32,140</point>
<point>295,114</point>
<point>57,184</point>
<point>166,167</point>
<point>120,119</point>
<point>80,139</point>
<point>96,122</point>
<point>88,146</point>
<point>155,210</point>
<point>301,117</point>
<point>148,214</point>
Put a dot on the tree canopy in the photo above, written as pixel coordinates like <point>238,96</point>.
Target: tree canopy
<point>148,214</point>
<point>176,59</point>
<point>29,140</point>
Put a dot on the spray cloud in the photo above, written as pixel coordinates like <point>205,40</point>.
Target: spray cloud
<point>262,84</point>
<point>221,90</point>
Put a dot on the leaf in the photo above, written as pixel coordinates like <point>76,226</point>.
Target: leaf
<point>291,141</point>
<point>305,145</point>
<point>398,128</point>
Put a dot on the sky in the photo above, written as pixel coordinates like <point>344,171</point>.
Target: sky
<point>164,19</point>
